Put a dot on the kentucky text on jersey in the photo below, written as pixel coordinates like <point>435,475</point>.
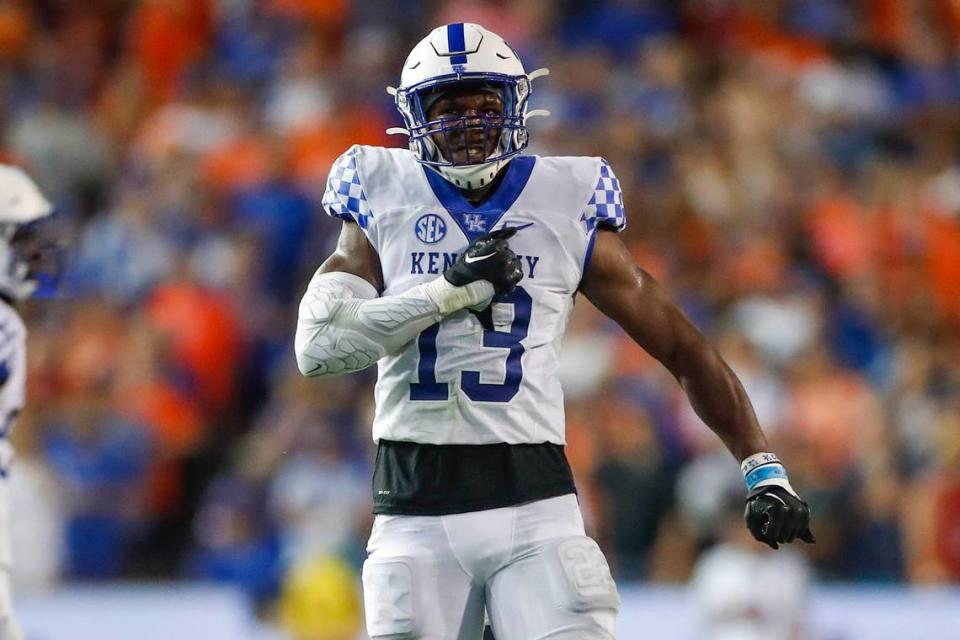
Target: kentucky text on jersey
<point>436,262</point>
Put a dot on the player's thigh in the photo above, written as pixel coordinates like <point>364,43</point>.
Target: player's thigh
<point>561,591</point>
<point>413,587</point>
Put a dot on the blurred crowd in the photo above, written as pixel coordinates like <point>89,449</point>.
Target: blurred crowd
<point>791,171</point>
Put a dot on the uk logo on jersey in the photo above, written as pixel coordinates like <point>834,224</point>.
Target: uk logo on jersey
<point>475,222</point>
<point>430,228</point>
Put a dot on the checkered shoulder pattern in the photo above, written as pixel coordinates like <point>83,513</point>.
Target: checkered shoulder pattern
<point>605,208</point>
<point>344,197</point>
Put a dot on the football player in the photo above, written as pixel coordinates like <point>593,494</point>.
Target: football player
<point>456,271</point>
<point>24,261</point>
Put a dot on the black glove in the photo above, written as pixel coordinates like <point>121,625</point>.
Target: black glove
<point>488,258</point>
<point>774,515</point>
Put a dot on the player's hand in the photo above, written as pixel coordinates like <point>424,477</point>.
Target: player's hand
<point>775,516</point>
<point>488,258</point>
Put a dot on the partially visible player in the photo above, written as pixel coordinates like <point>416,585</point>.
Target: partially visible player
<point>23,263</point>
<point>743,591</point>
<point>457,268</point>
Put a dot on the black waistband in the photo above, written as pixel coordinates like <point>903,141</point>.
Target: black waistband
<point>430,479</point>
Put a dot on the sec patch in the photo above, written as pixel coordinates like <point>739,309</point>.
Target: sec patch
<point>430,228</point>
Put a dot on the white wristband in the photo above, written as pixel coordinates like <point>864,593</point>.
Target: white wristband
<point>765,469</point>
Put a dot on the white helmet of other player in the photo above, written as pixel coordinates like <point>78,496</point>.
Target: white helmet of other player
<point>21,205</point>
<point>454,55</point>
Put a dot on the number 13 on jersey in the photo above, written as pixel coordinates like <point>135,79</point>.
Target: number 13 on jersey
<point>429,389</point>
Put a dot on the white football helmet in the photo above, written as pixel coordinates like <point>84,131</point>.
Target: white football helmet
<point>464,52</point>
<point>21,205</point>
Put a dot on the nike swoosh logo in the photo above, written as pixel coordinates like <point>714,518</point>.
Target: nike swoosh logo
<point>472,259</point>
<point>773,495</point>
<point>519,226</point>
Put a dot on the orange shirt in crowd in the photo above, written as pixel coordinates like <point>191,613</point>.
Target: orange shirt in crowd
<point>760,36</point>
<point>326,12</point>
<point>313,149</point>
<point>844,238</point>
<point>204,337</point>
<point>238,164</point>
<point>943,260</point>
<point>947,528</point>
<point>15,31</point>
<point>165,37</point>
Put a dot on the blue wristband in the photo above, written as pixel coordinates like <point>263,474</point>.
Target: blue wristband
<point>770,471</point>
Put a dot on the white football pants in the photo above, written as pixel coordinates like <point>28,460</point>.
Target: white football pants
<point>531,565</point>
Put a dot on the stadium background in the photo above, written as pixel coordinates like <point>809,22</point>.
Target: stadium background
<point>791,173</point>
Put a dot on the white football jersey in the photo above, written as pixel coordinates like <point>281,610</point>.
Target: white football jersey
<point>13,366</point>
<point>460,383</point>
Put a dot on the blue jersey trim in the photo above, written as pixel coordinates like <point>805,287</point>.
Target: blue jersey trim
<point>456,41</point>
<point>490,210</point>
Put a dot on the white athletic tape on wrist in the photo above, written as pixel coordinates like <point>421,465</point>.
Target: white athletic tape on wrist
<point>449,298</point>
<point>752,462</point>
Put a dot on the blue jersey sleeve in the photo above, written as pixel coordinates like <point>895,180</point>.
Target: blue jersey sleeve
<point>344,197</point>
<point>605,208</point>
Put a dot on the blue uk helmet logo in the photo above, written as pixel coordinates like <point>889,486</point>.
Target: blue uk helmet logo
<point>430,228</point>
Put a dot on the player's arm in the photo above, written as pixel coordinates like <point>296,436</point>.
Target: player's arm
<point>344,325</point>
<point>354,255</point>
<point>632,297</point>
